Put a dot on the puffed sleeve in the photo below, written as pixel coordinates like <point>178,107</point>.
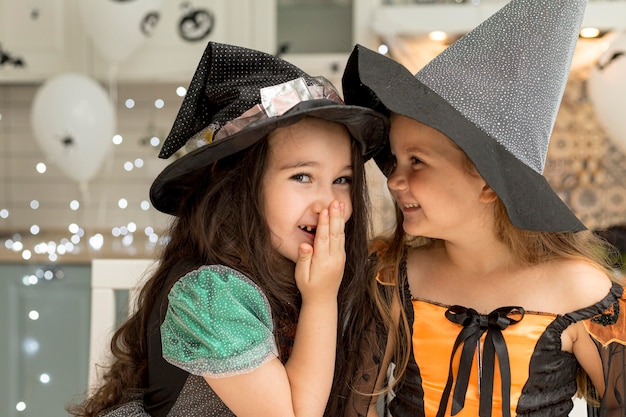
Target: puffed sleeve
<point>218,324</point>
<point>608,330</point>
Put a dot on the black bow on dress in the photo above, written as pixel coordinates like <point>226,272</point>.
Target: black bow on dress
<point>474,325</point>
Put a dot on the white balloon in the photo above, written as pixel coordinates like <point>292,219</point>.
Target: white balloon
<point>118,28</point>
<point>607,90</point>
<point>73,121</point>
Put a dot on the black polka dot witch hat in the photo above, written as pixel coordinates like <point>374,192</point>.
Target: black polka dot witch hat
<point>238,96</point>
<point>495,93</point>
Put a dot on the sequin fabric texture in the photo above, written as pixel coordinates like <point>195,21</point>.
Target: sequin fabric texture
<point>129,409</point>
<point>509,80</point>
<point>198,399</point>
<point>218,324</point>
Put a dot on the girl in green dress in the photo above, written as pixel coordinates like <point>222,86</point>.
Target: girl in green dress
<point>267,252</point>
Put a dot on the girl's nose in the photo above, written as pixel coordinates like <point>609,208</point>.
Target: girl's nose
<point>324,197</point>
<point>396,181</point>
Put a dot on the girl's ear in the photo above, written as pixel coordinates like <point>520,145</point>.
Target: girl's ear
<point>487,195</point>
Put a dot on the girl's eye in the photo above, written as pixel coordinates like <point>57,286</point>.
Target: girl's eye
<point>343,180</point>
<point>302,177</point>
<point>415,161</point>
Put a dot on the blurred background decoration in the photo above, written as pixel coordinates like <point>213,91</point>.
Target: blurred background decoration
<point>73,121</point>
<point>118,29</point>
<point>607,89</point>
<point>90,88</point>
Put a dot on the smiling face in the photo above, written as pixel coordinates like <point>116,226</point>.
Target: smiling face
<point>439,192</point>
<point>309,165</point>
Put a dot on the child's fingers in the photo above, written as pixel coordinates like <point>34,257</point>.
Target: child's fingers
<point>325,260</point>
<point>337,228</point>
<point>322,233</point>
<point>303,264</point>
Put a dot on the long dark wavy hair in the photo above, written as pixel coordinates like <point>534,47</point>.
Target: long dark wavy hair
<point>222,221</point>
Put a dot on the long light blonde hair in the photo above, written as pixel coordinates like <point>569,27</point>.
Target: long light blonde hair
<point>529,248</point>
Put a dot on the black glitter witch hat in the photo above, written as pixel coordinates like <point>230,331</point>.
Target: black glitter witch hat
<point>495,93</point>
<point>238,96</point>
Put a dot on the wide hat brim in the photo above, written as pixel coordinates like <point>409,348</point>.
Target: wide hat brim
<point>378,82</point>
<point>365,125</point>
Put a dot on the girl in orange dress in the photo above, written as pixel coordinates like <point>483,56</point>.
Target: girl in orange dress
<point>498,300</point>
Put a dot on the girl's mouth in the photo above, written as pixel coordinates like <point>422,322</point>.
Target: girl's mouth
<point>309,229</point>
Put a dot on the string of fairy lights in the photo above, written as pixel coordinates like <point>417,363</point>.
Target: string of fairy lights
<point>79,240</point>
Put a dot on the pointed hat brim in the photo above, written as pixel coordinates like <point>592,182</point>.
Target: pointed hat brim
<point>375,81</point>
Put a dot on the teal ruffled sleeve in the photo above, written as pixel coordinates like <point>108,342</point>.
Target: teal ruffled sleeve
<point>218,323</point>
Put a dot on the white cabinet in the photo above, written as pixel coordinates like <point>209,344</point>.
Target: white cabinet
<point>40,35</point>
<point>415,19</point>
<point>49,38</point>
<point>184,29</point>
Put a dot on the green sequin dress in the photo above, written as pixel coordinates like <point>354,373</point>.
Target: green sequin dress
<point>218,323</point>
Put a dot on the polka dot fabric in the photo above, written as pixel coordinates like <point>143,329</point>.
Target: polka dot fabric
<point>226,84</point>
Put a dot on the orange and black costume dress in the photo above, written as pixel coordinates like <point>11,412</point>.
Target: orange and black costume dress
<point>506,363</point>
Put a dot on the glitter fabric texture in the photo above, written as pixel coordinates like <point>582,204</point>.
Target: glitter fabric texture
<point>217,77</point>
<point>129,409</point>
<point>195,399</point>
<point>198,399</point>
<point>508,74</point>
<point>218,324</point>
<point>495,93</point>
